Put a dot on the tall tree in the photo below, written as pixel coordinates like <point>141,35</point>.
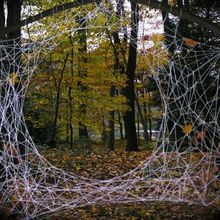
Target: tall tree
<point>12,94</point>
<point>58,87</point>
<point>70,96</point>
<point>2,15</point>
<point>127,67</point>
<point>12,67</point>
<point>82,33</point>
<point>129,117</point>
<point>116,45</point>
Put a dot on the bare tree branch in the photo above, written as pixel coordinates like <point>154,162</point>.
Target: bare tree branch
<point>46,13</point>
<point>183,14</point>
<point>186,15</point>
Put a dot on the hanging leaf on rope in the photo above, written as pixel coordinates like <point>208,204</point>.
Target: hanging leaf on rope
<point>187,128</point>
<point>190,42</point>
<point>13,78</point>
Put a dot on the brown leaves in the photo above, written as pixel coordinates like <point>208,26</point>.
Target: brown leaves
<point>142,211</point>
<point>190,42</point>
<point>187,128</point>
<point>103,165</point>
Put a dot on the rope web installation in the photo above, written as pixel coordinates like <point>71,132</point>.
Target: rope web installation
<point>182,168</point>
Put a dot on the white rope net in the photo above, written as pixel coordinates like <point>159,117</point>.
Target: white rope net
<point>185,163</point>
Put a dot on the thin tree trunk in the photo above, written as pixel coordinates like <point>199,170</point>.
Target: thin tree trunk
<point>138,126</point>
<point>120,126</point>
<point>67,131</point>
<point>115,45</point>
<point>150,117</point>
<point>111,124</point>
<point>145,116</point>
<point>53,141</point>
<point>70,125</point>
<point>2,16</point>
<point>143,121</point>
<point>104,133</point>
<point>83,131</point>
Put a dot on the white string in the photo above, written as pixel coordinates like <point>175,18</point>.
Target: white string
<point>182,168</point>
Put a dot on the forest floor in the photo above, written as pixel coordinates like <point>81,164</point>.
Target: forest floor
<point>97,162</point>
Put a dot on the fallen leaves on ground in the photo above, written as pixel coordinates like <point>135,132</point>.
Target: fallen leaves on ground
<point>105,164</point>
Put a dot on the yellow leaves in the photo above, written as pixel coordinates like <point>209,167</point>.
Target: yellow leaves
<point>172,2</point>
<point>66,157</point>
<point>156,55</point>
<point>217,203</point>
<point>100,19</point>
<point>63,27</point>
<point>190,42</point>
<point>157,37</point>
<point>78,168</point>
<point>13,198</point>
<point>93,209</point>
<point>13,78</point>
<point>187,128</point>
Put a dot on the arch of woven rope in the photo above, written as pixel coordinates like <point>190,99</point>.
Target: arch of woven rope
<point>181,168</point>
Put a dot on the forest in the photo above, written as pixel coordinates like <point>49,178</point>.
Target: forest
<point>109,109</point>
<point>69,100</point>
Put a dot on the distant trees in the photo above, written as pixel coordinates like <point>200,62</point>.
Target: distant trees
<point>148,100</point>
<point>125,56</point>
<point>123,67</point>
<point>42,94</point>
<point>58,87</point>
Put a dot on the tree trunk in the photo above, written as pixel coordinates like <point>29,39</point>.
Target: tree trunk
<point>83,131</point>
<point>111,124</point>
<point>70,125</point>
<point>2,16</point>
<point>53,141</point>
<point>120,126</point>
<point>115,44</point>
<point>143,121</point>
<point>150,116</point>
<point>104,132</point>
<point>12,131</point>
<point>138,125</point>
<point>129,117</point>
<point>14,66</point>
